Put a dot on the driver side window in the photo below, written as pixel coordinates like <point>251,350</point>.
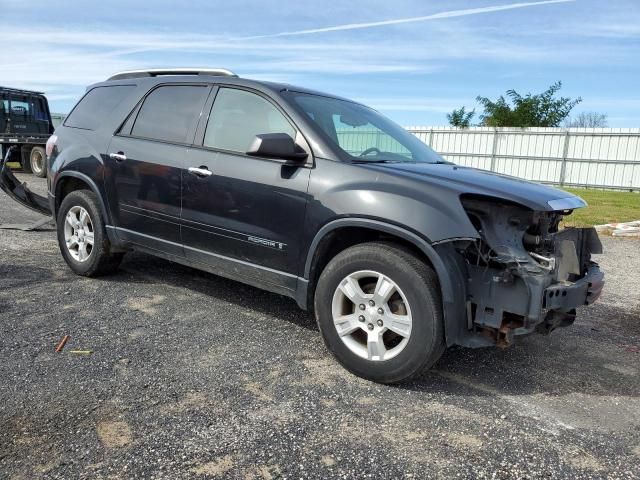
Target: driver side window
<point>237,116</point>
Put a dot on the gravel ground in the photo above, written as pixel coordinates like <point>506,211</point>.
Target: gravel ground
<point>194,375</point>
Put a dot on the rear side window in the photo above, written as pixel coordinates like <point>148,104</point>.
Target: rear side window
<point>96,105</point>
<point>238,116</point>
<point>170,112</point>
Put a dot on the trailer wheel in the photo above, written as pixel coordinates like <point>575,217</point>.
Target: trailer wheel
<point>25,158</point>
<point>38,162</point>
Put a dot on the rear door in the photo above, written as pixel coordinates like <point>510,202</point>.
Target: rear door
<point>144,164</point>
<point>247,214</point>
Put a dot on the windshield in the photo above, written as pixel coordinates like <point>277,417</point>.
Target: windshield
<point>361,133</point>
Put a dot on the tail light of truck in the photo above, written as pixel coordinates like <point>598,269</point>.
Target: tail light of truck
<point>51,145</point>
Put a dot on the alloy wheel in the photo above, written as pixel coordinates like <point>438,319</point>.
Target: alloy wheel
<point>371,315</point>
<point>78,233</point>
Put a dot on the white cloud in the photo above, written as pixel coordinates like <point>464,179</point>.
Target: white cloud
<point>62,60</point>
<point>398,21</point>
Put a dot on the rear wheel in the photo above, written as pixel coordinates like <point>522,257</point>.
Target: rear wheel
<point>25,158</point>
<point>82,236</point>
<point>379,310</point>
<point>38,162</point>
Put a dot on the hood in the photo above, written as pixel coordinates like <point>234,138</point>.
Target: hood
<point>466,180</point>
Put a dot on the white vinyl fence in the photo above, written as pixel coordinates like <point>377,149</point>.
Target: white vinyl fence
<point>594,157</point>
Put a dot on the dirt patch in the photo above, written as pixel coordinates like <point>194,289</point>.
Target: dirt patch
<point>328,461</point>
<point>326,371</point>
<point>328,402</point>
<point>146,304</point>
<point>114,434</point>
<point>366,401</point>
<point>264,472</point>
<point>257,390</point>
<point>621,369</point>
<point>215,468</point>
<point>584,461</point>
<point>464,441</point>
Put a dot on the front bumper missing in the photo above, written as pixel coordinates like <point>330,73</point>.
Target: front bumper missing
<point>526,296</point>
<point>18,191</point>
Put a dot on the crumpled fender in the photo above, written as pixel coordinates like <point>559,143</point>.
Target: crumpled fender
<point>19,191</point>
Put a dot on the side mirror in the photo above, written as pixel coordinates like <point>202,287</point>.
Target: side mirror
<point>276,145</point>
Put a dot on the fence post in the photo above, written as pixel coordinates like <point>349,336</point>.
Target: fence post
<point>493,150</point>
<point>565,151</point>
<point>430,138</point>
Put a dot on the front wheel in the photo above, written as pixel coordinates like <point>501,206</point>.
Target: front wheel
<point>379,310</point>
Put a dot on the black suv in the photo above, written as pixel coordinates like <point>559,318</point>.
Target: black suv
<point>398,252</point>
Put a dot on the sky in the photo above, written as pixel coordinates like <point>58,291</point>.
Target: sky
<point>413,60</point>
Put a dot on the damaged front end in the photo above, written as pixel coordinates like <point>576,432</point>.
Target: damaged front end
<point>18,191</point>
<point>524,274</point>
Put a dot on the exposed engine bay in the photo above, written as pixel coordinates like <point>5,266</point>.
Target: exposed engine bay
<point>525,274</point>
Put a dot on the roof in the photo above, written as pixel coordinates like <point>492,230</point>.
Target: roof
<point>213,75</point>
<point>20,91</point>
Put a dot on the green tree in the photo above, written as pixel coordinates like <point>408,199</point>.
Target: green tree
<point>540,110</point>
<point>460,118</point>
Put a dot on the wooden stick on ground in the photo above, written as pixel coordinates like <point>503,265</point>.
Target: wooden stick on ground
<point>62,343</point>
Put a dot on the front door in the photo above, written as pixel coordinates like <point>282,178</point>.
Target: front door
<point>144,164</point>
<point>242,213</point>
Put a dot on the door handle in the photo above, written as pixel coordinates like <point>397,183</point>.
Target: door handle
<point>200,171</point>
<point>118,157</point>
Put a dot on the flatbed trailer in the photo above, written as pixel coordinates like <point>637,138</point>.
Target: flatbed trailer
<point>25,122</point>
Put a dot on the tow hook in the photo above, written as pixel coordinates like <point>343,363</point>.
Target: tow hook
<point>548,263</point>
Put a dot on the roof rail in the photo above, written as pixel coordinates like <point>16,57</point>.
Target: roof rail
<point>154,72</point>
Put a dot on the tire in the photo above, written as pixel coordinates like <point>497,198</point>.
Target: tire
<point>89,262</point>
<point>410,326</point>
<point>25,158</point>
<point>38,162</point>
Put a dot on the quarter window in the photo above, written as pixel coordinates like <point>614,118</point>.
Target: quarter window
<point>96,105</point>
<point>169,112</point>
<point>238,116</point>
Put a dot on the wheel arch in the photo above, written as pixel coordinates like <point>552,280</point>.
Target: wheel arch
<point>71,180</point>
<point>320,251</point>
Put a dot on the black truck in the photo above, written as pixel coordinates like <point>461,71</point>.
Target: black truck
<point>25,122</point>
<point>399,253</point>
